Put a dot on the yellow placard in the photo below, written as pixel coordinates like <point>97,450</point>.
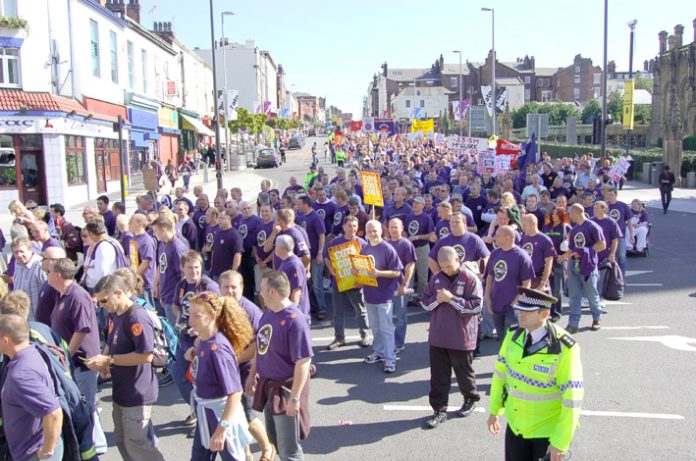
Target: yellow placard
<point>372,188</point>
<point>423,125</point>
<point>363,265</point>
<point>628,106</point>
<point>340,261</point>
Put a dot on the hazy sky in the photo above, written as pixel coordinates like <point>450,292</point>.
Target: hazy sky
<point>332,48</point>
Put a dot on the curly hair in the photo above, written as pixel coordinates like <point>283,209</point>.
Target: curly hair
<point>230,318</point>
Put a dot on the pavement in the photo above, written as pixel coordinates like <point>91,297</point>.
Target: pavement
<point>683,199</point>
<point>640,398</point>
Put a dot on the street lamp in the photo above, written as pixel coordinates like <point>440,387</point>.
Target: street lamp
<point>632,26</point>
<point>493,101</point>
<point>459,108</point>
<point>216,117</point>
<point>224,88</point>
<point>605,77</point>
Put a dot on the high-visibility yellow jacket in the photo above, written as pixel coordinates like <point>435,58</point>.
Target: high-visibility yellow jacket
<point>541,393</point>
<point>340,155</point>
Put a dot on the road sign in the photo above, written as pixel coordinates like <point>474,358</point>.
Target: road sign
<point>479,118</point>
<point>533,121</point>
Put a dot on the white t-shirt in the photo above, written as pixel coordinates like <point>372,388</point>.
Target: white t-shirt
<point>99,263</point>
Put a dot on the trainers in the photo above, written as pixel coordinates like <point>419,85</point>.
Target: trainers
<point>571,329</point>
<point>467,408</point>
<point>595,325</point>
<point>398,350</point>
<point>336,344</point>
<point>165,379</point>
<point>321,315</point>
<point>190,421</point>
<point>435,420</point>
<point>389,367</point>
<point>373,358</point>
<point>365,342</point>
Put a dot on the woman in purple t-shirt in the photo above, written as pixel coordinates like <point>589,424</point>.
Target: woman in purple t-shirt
<point>223,331</point>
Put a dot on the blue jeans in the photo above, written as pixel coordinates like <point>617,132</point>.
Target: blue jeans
<point>380,318</point>
<point>400,320</point>
<point>317,271</point>
<point>200,453</point>
<point>86,381</point>
<point>57,452</point>
<point>579,288</point>
<point>168,313</point>
<point>177,369</point>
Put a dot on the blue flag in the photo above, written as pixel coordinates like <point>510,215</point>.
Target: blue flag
<point>528,156</point>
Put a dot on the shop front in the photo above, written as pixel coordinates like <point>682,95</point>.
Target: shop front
<point>193,131</point>
<point>168,128</point>
<point>106,157</point>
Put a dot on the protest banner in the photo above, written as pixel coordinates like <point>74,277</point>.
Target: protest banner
<point>503,163</point>
<point>486,161</point>
<point>342,266</point>
<point>372,188</point>
<point>363,265</point>
<point>465,146</point>
<point>424,126</point>
<point>619,169</point>
<point>628,104</point>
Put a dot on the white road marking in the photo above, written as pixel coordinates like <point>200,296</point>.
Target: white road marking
<point>632,273</point>
<point>613,414</point>
<point>616,303</point>
<point>653,327</point>
<point>331,338</point>
<point>643,284</point>
<point>679,343</point>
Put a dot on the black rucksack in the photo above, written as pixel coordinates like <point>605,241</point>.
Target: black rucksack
<point>613,289</point>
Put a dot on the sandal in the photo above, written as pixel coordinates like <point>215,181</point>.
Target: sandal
<point>269,458</point>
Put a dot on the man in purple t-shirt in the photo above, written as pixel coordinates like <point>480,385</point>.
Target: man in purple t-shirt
<point>108,215</point>
<point>407,255</point>
<point>283,357</point>
<point>540,248</point>
<point>227,249</point>
<point>263,259</point>
<point>585,241</point>
<point>31,412</point>
<point>325,208</point>
<point>612,235</point>
<point>378,300</point>
<point>420,230</point>
<point>469,246</point>
<point>39,232</point>
<point>285,225</point>
<point>128,357</point>
<point>621,213</point>
<point>143,254</point>
<point>292,267</point>
<point>169,252</point>
<point>508,267</point>
<point>313,224</point>
<point>247,230</point>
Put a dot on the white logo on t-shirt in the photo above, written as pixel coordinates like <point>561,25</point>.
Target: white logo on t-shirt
<point>579,240</point>
<point>163,263</point>
<point>500,270</point>
<point>529,248</point>
<point>413,227</point>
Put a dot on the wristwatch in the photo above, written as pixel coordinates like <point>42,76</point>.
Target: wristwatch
<point>112,361</point>
<point>294,399</point>
<point>225,424</point>
<point>44,454</point>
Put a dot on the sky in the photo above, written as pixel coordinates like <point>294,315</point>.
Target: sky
<point>332,49</point>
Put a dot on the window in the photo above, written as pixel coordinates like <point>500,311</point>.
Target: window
<point>143,55</point>
<point>106,152</point>
<point>540,82</point>
<point>429,83</point>
<point>454,82</point>
<point>546,96</point>
<point>75,160</point>
<point>131,65</point>
<point>596,92</point>
<point>94,47</point>
<point>597,78</point>
<point>9,67</point>
<point>576,80</point>
<point>9,8</point>
<point>527,95</point>
<point>8,164</point>
<point>576,93</point>
<point>422,102</point>
<point>408,103</point>
<point>527,79</point>
<point>114,56</point>
<point>577,69</point>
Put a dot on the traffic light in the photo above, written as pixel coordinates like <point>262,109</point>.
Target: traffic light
<point>596,130</point>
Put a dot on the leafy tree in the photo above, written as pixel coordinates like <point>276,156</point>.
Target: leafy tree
<point>643,83</point>
<point>593,110</point>
<point>642,114</point>
<point>245,120</point>
<point>615,105</point>
<point>558,113</point>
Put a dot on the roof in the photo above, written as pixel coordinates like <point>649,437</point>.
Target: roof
<point>405,75</point>
<point>546,71</point>
<point>508,81</point>
<point>426,91</point>
<point>453,69</point>
<point>640,96</point>
<point>15,100</point>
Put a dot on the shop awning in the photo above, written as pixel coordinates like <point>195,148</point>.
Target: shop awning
<point>152,136</point>
<point>138,138</point>
<point>197,126</point>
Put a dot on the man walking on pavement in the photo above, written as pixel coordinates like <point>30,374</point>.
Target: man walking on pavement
<point>454,298</point>
<point>537,383</point>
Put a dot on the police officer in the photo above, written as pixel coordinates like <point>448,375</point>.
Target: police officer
<point>537,383</point>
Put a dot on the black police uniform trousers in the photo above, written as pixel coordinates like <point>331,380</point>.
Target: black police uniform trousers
<point>442,361</point>
<point>517,448</point>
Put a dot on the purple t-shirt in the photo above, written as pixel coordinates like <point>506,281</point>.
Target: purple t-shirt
<point>189,232</point>
<point>314,226</point>
<point>184,292</point>
<point>392,211</point>
<point>557,234</point>
<point>507,269</point>
<point>468,246</point>
<point>27,396</point>
<point>214,368</point>
<point>262,233</point>
<point>254,314</point>
<point>326,212</point>
<point>621,213</point>
<point>50,243</point>
<point>237,220</point>
<point>133,331</point>
<point>227,243</point>
<point>420,224</point>
<point>442,229</point>
<point>283,339</point>
<point>384,258</point>
<point>199,218</point>
<point>208,239</point>
<point>109,222</point>
<point>144,248</point>
<point>611,231</point>
<point>75,313</point>
<point>48,297</point>
<point>585,235</point>
<point>339,215</point>
<point>168,257</point>
<point>538,248</point>
<point>301,239</point>
<point>247,230</point>
<point>295,270</point>
<point>406,252</point>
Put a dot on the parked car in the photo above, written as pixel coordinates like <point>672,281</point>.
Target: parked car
<point>267,157</point>
<point>312,132</point>
<point>295,143</point>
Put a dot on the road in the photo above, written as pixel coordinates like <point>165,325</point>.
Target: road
<point>640,401</point>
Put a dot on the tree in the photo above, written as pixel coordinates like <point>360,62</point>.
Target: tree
<point>245,120</point>
<point>643,114</point>
<point>593,110</point>
<point>558,113</point>
<point>615,105</point>
<point>643,83</point>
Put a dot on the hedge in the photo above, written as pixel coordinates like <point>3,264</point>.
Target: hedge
<point>639,156</point>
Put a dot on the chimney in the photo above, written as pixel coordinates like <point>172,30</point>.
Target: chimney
<point>164,31</point>
<point>385,68</point>
<point>671,42</point>
<point>663,41</point>
<point>611,69</point>
<point>532,64</point>
<point>117,7</point>
<point>678,35</point>
<point>133,10</point>
<point>646,66</point>
<point>694,24</point>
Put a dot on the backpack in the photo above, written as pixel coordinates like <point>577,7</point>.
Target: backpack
<point>121,258</point>
<point>166,339</point>
<point>71,236</point>
<point>613,289</point>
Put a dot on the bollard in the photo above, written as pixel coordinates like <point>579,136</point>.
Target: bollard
<point>205,173</point>
<point>691,180</point>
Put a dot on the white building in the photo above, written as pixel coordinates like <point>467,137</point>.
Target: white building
<point>430,102</point>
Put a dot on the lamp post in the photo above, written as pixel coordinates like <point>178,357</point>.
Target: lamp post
<point>605,76</point>
<point>632,26</point>
<point>494,100</point>
<point>459,108</point>
<point>218,163</point>
<point>223,42</point>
